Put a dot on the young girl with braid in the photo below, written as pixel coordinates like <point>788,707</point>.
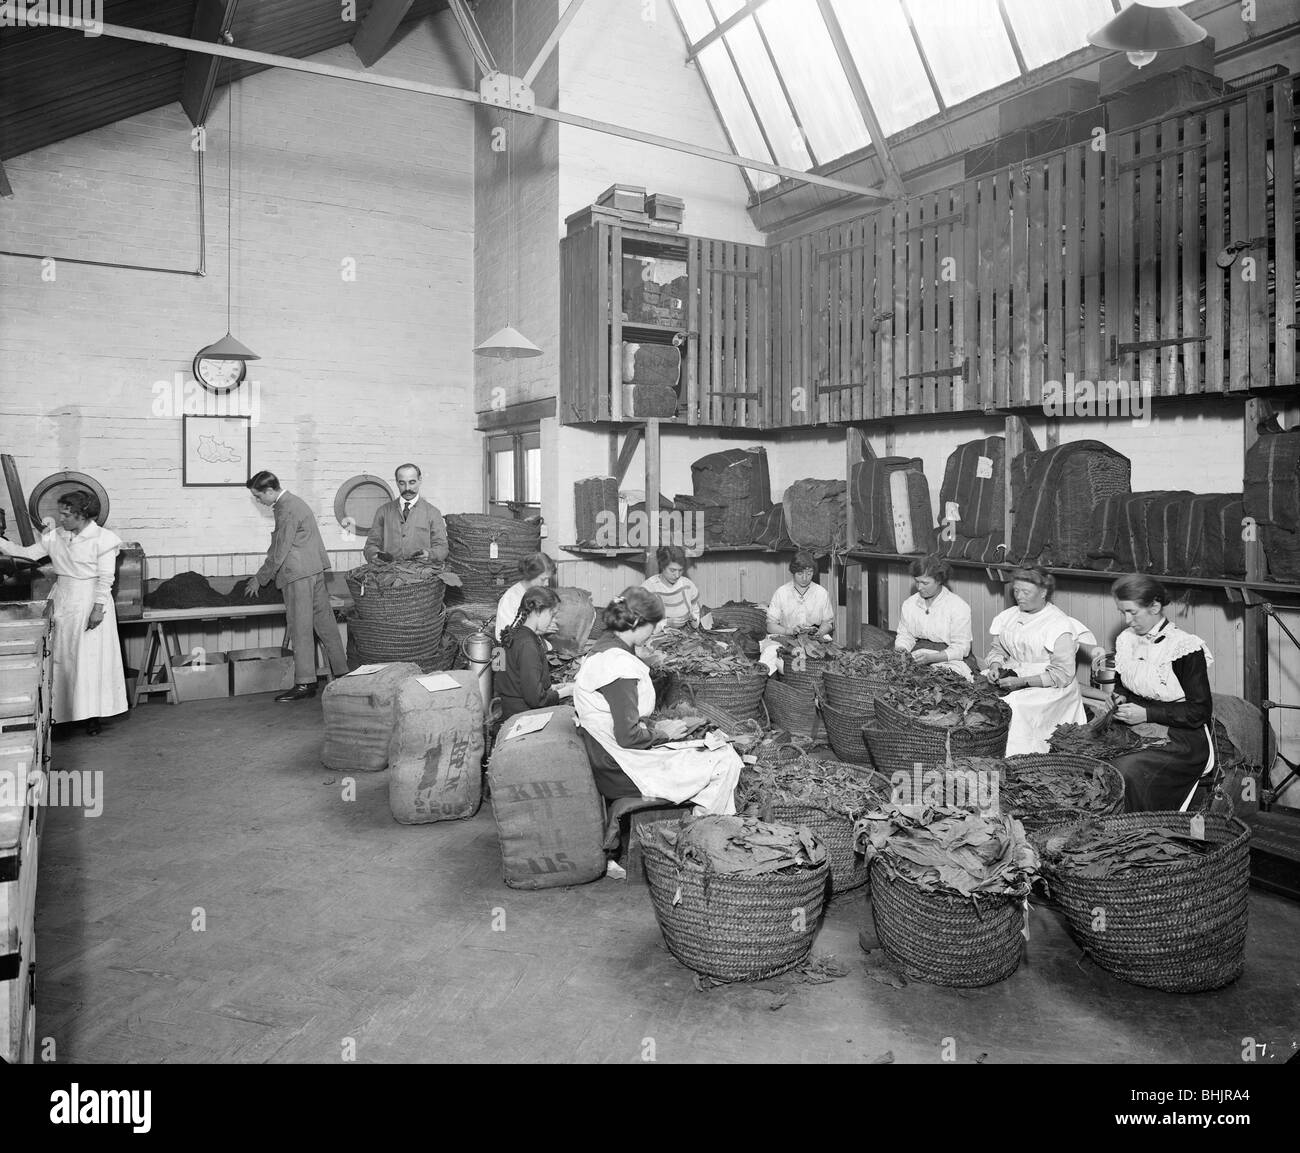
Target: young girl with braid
<point>525,681</point>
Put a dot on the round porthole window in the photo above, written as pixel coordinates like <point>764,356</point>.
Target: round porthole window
<point>44,500</point>
<point>358,500</point>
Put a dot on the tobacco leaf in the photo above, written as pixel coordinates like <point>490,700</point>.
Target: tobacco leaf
<point>698,654</point>
<point>1088,850</point>
<point>814,782</point>
<point>949,850</point>
<point>739,845</point>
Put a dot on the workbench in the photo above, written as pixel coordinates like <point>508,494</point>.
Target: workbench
<point>160,646</point>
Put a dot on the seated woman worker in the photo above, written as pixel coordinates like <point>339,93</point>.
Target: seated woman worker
<point>800,607</point>
<point>536,570</point>
<point>613,696</point>
<point>678,592</point>
<point>1034,652</point>
<point>1163,681</point>
<point>934,622</point>
<point>524,681</point>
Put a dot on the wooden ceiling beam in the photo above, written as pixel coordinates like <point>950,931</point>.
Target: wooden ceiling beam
<point>377,28</point>
<point>212,20</point>
<point>6,189</point>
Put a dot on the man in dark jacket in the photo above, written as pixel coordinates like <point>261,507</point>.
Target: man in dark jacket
<point>298,562</point>
<point>408,528</point>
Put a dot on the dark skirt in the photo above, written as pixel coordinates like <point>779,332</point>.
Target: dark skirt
<point>611,781</point>
<point>1158,780</point>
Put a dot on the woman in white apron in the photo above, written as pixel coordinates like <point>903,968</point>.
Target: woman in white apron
<point>88,680</point>
<point>934,622</point>
<point>1163,678</point>
<point>612,694</point>
<point>1038,645</point>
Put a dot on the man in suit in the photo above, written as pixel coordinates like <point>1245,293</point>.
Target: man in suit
<point>298,562</point>
<point>408,528</point>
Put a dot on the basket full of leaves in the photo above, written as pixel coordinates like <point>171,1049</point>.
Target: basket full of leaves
<point>1045,789</point>
<point>1156,899</point>
<point>977,720</point>
<point>737,899</point>
<point>826,797</point>
<point>949,891</point>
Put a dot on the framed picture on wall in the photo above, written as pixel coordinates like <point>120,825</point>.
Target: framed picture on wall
<point>215,451</point>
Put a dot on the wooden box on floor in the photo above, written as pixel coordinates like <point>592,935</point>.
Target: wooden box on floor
<point>260,671</point>
<point>201,679</point>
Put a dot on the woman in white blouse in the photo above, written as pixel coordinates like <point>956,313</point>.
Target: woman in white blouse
<point>88,680</point>
<point>934,623</point>
<point>1034,653</point>
<point>801,607</point>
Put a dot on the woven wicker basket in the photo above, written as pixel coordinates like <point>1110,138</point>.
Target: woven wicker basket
<point>731,927</point>
<point>990,741</point>
<point>720,717</point>
<point>899,752</point>
<point>835,830</point>
<point>852,694</point>
<point>845,733</point>
<point>749,619</point>
<point>1179,927</point>
<point>741,697</point>
<point>808,679</point>
<point>1036,818</point>
<point>943,938</point>
<point>791,709</point>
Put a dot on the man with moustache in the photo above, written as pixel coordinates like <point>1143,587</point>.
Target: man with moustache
<point>408,528</point>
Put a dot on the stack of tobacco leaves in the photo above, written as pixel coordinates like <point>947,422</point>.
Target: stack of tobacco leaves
<point>949,850</point>
<point>681,711</point>
<point>881,663</point>
<point>796,652</point>
<point>942,698</point>
<point>562,668</point>
<point>697,655</point>
<point>398,574</point>
<point>825,785</point>
<point>1088,850</point>
<point>1084,741</point>
<point>737,845</point>
<point>1032,790</point>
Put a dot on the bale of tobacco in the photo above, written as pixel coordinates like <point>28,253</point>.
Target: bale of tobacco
<point>949,890</point>
<point>736,898</point>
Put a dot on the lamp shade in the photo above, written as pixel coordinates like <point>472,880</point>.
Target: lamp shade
<point>1142,28</point>
<point>228,348</point>
<point>507,344</point>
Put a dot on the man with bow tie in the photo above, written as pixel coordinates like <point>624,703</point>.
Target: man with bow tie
<point>408,528</point>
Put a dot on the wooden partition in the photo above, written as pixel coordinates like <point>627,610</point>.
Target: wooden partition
<point>1098,261</point>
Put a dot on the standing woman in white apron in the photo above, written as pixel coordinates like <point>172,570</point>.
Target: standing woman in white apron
<point>1038,645</point>
<point>612,695</point>
<point>88,680</point>
<point>1163,679</point>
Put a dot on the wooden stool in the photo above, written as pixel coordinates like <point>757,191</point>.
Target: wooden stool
<point>637,811</point>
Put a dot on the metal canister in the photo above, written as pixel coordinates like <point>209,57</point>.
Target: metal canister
<point>1104,677</point>
<point>477,648</point>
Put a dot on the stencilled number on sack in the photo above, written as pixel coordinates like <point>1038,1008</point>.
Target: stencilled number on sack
<point>536,791</point>
<point>559,863</point>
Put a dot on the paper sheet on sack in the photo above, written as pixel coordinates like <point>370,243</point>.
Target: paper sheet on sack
<point>436,682</point>
<point>529,724</point>
<point>366,670</point>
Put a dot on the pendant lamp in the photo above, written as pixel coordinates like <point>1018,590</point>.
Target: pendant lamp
<point>228,348</point>
<point>509,343</point>
<point>1145,28</point>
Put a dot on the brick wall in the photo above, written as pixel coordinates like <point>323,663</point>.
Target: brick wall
<point>356,375</point>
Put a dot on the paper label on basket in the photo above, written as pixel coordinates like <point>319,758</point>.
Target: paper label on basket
<point>1197,829</point>
<point>984,468</point>
<point>749,759</point>
<point>436,682</point>
<point>525,725</point>
<point>714,739</point>
<point>493,551</point>
<point>366,670</point>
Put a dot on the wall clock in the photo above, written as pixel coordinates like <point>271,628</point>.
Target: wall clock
<point>218,374</point>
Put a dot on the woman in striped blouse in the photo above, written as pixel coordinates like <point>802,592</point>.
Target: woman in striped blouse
<point>678,592</point>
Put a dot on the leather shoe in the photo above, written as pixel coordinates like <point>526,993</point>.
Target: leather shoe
<point>297,693</point>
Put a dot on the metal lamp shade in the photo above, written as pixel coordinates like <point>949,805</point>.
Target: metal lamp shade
<point>507,344</point>
<point>228,348</point>
<point>1143,28</point>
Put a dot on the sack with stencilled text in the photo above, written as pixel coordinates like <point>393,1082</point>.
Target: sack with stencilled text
<point>435,757</point>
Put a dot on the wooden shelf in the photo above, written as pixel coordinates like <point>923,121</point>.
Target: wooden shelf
<point>636,330</point>
<point>1090,574</point>
<point>712,550</point>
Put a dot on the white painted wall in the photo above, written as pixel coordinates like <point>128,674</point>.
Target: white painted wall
<point>355,376</point>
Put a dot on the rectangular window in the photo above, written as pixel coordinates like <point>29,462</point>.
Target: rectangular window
<point>514,472</point>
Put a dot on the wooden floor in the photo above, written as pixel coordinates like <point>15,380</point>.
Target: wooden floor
<point>326,925</point>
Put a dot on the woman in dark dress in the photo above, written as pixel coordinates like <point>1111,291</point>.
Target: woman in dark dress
<point>524,681</point>
<point>1162,678</point>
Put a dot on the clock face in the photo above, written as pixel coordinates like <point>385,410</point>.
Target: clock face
<point>219,375</point>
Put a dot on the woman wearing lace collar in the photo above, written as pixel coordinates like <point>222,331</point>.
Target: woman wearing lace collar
<point>1163,680</point>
